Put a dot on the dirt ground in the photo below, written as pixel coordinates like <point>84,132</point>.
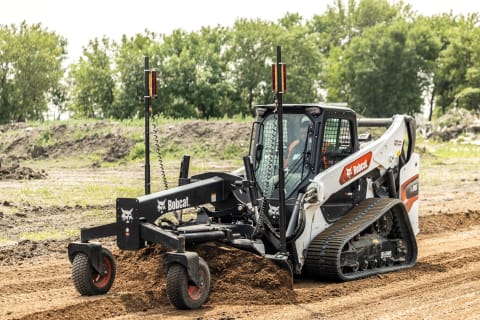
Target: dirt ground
<point>35,280</point>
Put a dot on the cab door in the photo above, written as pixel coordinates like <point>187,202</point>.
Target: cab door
<point>338,142</point>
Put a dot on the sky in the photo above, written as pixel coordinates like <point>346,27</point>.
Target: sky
<point>81,21</point>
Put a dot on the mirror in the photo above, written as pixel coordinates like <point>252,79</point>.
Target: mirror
<point>258,154</point>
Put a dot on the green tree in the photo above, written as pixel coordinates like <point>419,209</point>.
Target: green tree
<point>193,74</point>
<point>6,74</point>
<point>212,93</point>
<point>251,53</point>
<point>469,97</point>
<point>456,77</point>
<point>30,71</point>
<point>380,72</point>
<point>345,20</point>
<point>364,41</point>
<point>428,35</point>
<point>304,61</point>
<point>93,81</point>
<point>129,61</point>
<point>177,75</point>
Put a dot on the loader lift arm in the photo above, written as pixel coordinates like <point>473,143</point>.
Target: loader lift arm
<point>380,154</point>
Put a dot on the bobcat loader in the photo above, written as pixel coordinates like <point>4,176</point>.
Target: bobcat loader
<point>343,208</point>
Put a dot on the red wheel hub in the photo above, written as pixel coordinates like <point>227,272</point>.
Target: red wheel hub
<point>100,281</point>
<point>194,292</point>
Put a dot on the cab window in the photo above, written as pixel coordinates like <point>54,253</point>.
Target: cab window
<point>337,141</point>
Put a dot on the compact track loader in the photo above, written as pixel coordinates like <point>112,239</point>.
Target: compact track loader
<point>341,208</point>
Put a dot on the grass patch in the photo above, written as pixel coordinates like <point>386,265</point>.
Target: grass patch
<point>51,234</point>
<point>102,192</point>
<point>78,136</point>
<point>452,151</point>
<point>234,151</point>
<point>41,192</point>
<point>448,164</point>
<point>445,153</point>
<point>137,152</point>
<point>6,241</point>
<point>45,138</point>
<point>101,216</point>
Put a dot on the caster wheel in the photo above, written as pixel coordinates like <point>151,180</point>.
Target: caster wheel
<point>182,292</point>
<point>87,280</point>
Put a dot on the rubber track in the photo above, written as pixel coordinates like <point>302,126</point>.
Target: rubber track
<point>323,255</point>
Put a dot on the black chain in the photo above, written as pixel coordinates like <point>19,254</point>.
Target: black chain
<point>157,149</point>
<point>262,219</point>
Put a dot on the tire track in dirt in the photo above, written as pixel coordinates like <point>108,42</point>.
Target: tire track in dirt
<point>28,286</point>
<point>19,280</point>
<point>421,297</point>
<point>435,277</point>
<point>40,294</point>
<point>440,263</point>
<point>42,288</point>
<point>449,241</point>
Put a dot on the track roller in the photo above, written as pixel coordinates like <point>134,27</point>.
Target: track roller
<point>374,237</point>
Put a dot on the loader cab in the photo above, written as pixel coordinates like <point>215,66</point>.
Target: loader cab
<point>339,139</point>
<point>324,134</point>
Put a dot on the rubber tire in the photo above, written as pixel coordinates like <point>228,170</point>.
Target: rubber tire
<point>181,291</point>
<point>86,279</point>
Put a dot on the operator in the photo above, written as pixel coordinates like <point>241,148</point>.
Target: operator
<point>297,146</point>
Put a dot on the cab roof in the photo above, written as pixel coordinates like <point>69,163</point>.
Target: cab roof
<point>323,106</point>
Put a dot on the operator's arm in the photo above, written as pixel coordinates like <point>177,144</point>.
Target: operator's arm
<point>289,154</point>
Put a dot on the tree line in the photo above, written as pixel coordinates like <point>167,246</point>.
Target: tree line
<point>380,58</point>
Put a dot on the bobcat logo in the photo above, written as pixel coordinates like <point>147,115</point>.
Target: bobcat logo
<point>161,205</point>
<point>127,215</point>
<point>349,173</point>
<point>273,211</point>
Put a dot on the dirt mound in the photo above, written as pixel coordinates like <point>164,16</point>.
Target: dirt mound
<point>237,277</point>
<point>455,124</point>
<point>17,253</point>
<point>449,222</point>
<point>240,277</point>
<point>107,139</point>
<point>213,136</point>
<point>112,147</point>
<point>214,131</point>
<point>17,172</point>
<point>111,141</point>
